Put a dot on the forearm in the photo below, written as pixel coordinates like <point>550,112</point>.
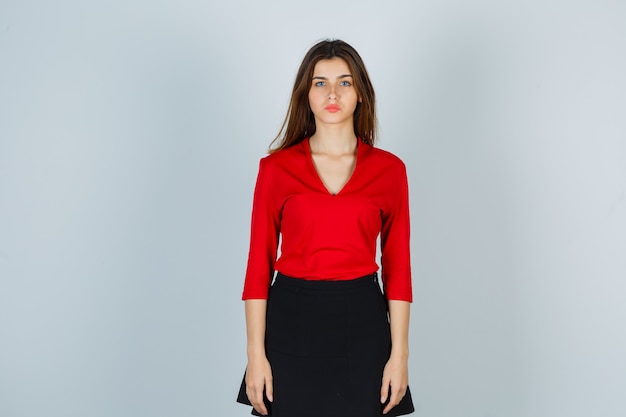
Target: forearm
<point>399,312</point>
<point>256,310</point>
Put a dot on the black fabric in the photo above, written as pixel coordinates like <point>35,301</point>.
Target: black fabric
<point>327,343</point>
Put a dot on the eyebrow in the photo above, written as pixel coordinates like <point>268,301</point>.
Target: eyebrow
<point>319,77</point>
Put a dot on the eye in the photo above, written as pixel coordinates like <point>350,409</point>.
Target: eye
<point>320,83</point>
<point>345,84</point>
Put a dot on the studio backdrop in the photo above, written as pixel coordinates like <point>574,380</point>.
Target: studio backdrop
<point>130,134</point>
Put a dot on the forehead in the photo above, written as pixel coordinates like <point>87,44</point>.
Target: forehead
<point>333,66</point>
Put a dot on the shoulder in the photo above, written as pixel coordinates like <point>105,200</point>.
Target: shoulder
<point>385,159</point>
<point>287,158</point>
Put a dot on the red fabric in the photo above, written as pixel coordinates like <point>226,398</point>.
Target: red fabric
<point>325,236</point>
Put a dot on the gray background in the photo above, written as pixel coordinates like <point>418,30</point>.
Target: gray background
<point>130,133</point>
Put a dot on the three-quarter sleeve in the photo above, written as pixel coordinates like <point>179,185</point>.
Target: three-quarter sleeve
<point>264,234</point>
<point>395,240</point>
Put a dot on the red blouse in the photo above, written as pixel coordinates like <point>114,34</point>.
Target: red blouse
<point>326,236</point>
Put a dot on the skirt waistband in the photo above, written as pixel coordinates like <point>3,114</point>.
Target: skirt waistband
<point>326,284</point>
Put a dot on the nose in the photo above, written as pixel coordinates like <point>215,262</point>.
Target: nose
<point>332,93</point>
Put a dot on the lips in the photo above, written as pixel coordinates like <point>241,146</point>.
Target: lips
<point>332,108</point>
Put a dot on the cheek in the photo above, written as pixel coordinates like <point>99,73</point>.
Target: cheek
<point>315,97</point>
<point>355,100</point>
<point>313,103</point>
<point>311,100</point>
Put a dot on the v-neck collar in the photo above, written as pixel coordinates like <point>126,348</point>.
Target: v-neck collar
<point>360,146</point>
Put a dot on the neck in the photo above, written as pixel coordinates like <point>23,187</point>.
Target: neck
<point>333,139</point>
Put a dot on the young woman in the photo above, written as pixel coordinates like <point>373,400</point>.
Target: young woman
<point>323,340</point>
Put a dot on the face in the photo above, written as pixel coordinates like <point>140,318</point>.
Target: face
<point>332,95</point>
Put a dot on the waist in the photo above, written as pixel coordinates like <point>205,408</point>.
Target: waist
<point>324,269</point>
<point>326,284</point>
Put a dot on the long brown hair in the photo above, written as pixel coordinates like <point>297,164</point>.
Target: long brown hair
<point>299,122</point>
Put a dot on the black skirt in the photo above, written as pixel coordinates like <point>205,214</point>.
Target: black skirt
<point>327,343</point>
